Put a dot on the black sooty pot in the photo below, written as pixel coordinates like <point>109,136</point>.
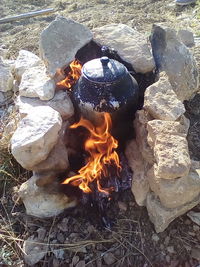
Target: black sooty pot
<point>105,86</point>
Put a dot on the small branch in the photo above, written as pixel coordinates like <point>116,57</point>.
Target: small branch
<point>27,15</point>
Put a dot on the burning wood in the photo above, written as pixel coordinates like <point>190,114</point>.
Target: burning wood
<point>101,147</point>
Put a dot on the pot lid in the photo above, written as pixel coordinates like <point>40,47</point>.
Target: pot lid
<point>104,70</point>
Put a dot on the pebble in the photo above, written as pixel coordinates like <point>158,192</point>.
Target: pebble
<point>109,258</point>
<point>195,253</point>
<point>41,233</point>
<point>168,259</point>
<point>155,237</point>
<point>170,249</point>
<point>122,206</point>
<point>167,239</point>
<point>63,226</point>
<point>59,253</point>
<point>60,237</point>
<point>80,264</point>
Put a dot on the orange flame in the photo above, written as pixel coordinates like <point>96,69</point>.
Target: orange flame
<point>101,147</point>
<point>73,75</point>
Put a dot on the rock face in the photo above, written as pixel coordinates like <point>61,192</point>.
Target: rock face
<point>130,45</point>
<point>60,41</point>
<point>177,192</point>
<point>140,184</point>
<point>6,77</point>
<point>43,204</point>
<point>36,83</point>
<point>161,101</point>
<point>175,59</point>
<point>24,61</point>
<point>160,216</point>
<point>35,136</point>
<point>172,156</point>
<point>61,103</point>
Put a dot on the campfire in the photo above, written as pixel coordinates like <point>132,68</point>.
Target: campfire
<point>101,147</point>
<point>116,118</point>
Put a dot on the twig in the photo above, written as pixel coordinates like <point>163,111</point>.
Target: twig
<point>27,15</point>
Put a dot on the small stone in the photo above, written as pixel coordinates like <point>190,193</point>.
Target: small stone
<point>6,77</point>
<point>81,264</point>
<point>60,41</point>
<point>109,258</point>
<point>60,237</point>
<point>195,253</point>
<point>131,45</point>
<point>75,260</point>
<point>64,225</point>
<point>36,83</point>
<point>186,37</point>
<point>155,238</point>
<point>166,242</point>
<point>161,101</point>
<point>59,253</point>
<point>42,204</point>
<point>196,228</point>
<point>122,206</point>
<point>34,250</point>
<point>171,250</point>
<point>24,61</point>
<point>41,233</point>
<point>168,259</point>
<point>35,136</point>
<point>194,216</point>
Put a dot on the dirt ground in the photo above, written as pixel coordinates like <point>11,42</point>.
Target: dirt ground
<point>73,238</point>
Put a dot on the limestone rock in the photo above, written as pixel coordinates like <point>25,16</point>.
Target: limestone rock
<point>24,61</point>
<point>140,184</point>
<point>35,136</point>
<point>194,216</point>
<point>60,41</point>
<point>34,250</point>
<point>6,77</point>
<point>57,159</point>
<point>40,203</point>
<point>61,103</point>
<point>161,101</point>
<point>176,192</point>
<point>176,60</point>
<point>130,45</point>
<point>156,127</point>
<point>172,156</point>
<point>140,126</point>
<point>160,216</point>
<point>186,37</point>
<point>36,83</point>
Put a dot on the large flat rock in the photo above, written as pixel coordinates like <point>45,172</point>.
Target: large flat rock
<point>176,60</point>
<point>60,41</point>
<point>36,83</point>
<point>61,102</point>
<point>130,45</point>
<point>35,136</point>
<point>161,101</point>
